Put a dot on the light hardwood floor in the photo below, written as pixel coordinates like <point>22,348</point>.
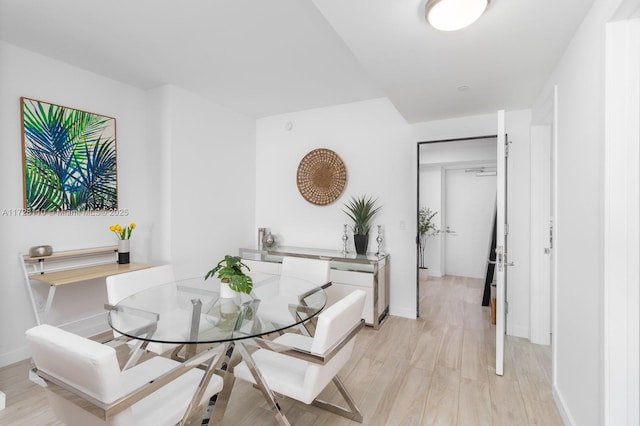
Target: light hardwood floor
<point>437,370</point>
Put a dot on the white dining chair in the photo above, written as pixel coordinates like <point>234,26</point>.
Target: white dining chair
<point>315,270</point>
<point>288,290</point>
<point>300,366</point>
<point>86,387</point>
<point>121,286</point>
<point>124,285</point>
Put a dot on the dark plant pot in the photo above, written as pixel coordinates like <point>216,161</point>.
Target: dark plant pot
<point>123,258</point>
<point>361,242</point>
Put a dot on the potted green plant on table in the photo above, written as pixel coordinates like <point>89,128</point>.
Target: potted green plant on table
<point>232,277</point>
<point>361,210</point>
<point>426,228</point>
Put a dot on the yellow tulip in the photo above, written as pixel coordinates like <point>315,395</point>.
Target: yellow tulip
<point>133,226</point>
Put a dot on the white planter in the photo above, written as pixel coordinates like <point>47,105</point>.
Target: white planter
<point>226,292</point>
<point>124,246</point>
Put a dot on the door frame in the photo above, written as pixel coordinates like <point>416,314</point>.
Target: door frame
<point>622,217</point>
<point>417,205</point>
<point>541,243</point>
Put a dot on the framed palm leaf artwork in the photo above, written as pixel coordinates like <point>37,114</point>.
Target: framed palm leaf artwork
<point>69,158</point>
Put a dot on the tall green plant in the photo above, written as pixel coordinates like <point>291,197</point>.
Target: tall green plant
<point>361,210</point>
<point>426,228</point>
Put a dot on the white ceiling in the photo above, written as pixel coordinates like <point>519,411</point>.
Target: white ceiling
<point>270,57</point>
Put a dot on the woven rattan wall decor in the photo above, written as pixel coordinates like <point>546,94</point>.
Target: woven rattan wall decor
<point>321,177</point>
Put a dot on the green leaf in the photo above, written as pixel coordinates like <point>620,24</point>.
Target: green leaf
<point>229,270</point>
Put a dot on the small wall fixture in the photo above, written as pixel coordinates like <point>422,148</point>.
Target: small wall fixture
<point>453,15</point>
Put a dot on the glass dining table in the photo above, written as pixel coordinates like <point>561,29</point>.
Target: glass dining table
<point>207,329</point>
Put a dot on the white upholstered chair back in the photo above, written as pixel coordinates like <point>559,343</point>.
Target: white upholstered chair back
<point>314,270</point>
<point>92,369</point>
<point>83,364</point>
<point>337,320</point>
<point>288,287</point>
<point>124,285</point>
<point>333,324</point>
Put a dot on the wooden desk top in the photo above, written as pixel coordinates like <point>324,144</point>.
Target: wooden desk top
<point>75,275</point>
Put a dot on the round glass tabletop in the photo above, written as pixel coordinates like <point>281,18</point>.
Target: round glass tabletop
<point>193,311</point>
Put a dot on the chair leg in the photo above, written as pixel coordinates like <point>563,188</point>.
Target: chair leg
<point>264,389</point>
<point>218,403</point>
<point>175,354</point>
<point>136,352</point>
<point>214,366</point>
<point>352,414</point>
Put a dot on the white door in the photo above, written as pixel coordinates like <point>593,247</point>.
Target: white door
<point>469,209</point>
<point>501,241</point>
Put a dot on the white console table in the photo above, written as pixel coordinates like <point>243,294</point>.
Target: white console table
<point>349,271</point>
<point>69,267</point>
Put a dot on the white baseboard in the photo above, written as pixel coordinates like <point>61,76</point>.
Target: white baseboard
<point>89,327</point>
<point>402,312</point>
<point>518,331</point>
<point>562,407</point>
<point>14,356</point>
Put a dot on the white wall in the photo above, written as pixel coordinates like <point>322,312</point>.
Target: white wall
<point>375,144</point>
<point>517,126</point>
<point>579,238</point>
<point>27,74</point>
<point>186,174</point>
<point>212,185</point>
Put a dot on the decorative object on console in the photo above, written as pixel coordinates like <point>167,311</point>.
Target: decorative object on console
<point>426,228</point>
<point>69,158</point>
<point>124,235</point>
<point>229,271</point>
<point>345,238</point>
<point>268,240</point>
<point>379,241</point>
<point>261,232</point>
<point>39,251</point>
<point>321,177</point>
<point>361,210</point>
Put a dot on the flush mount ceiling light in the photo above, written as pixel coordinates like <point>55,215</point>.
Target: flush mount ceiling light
<point>452,15</point>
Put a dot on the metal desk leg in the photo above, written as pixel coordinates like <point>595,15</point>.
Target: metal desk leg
<point>47,306</point>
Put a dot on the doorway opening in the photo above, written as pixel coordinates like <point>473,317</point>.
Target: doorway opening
<point>456,180</point>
